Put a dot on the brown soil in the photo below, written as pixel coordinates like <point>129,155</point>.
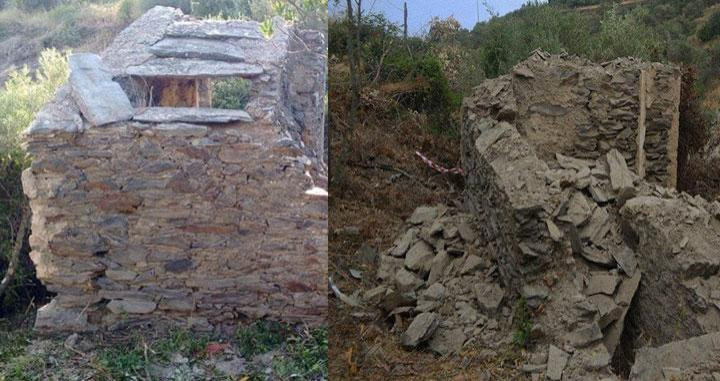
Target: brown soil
<point>376,182</point>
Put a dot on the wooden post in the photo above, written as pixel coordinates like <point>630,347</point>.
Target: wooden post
<point>405,20</point>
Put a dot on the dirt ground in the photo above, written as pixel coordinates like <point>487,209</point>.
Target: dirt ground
<point>376,182</point>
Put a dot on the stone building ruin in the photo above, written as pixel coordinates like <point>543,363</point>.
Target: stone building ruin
<point>149,203</point>
<point>570,168</point>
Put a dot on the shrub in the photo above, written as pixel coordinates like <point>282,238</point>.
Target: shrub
<point>127,10</point>
<point>184,5</point>
<point>21,98</point>
<point>711,28</point>
<point>626,35</point>
<point>231,93</point>
<point>33,4</point>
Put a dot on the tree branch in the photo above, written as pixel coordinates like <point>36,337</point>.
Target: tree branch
<point>17,248</point>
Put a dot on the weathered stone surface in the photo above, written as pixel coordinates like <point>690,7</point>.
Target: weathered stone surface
<point>100,99</point>
<point>421,329</point>
<point>694,355</point>
<point>204,49</point>
<point>602,283</point>
<point>184,214</point>
<point>423,214</point>
<point>189,115</point>
<point>447,341</point>
<point>620,176</point>
<point>214,29</point>
<point>489,296</point>
<point>175,68</point>
<point>120,306</point>
<point>557,360</point>
<point>419,257</point>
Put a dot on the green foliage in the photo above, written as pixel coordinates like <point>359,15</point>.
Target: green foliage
<point>522,321</point>
<point>306,359</point>
<point>127,10</point>
<point>33,4</point>
<point>23,96</point>
<point>267,29</point>
<point>626,35</point>
<point>259,337</point>
<point>231,93</point>
<point>711,28</point>
<point>127,362</point>
<point>504,41</point>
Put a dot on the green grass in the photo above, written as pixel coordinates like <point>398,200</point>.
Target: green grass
<point>523,324</point>
<point>127,361</point>
<point>306,357</point>
<point>260,337</point>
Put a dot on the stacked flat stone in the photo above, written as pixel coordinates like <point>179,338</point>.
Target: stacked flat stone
<point>197,215</point>
<point>569,105</point>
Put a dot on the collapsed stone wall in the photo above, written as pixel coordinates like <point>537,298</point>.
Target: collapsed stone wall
<point>569,105</point>
<point>198,215</point>
<point>587,243</point>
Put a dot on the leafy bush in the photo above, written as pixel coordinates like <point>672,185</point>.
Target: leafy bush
<point>21,98</point>
<point>626,35</point>
<point>184,5</point>
<point>33,4</point>
<point>711,28</point>
<point>231,93</point>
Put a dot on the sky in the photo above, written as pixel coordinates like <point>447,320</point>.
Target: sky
<point>421,11</point>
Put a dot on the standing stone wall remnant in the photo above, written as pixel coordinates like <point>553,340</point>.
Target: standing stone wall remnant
<point>194,214</point>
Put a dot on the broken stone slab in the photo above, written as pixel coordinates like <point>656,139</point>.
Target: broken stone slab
<point>212,29</point>
<point>602,283</point>
<point>191,115</point>
<point>52,317</point>
<point>100,99</point>
<point>627,289</point>
<point>438,265</point>
<point>620,175</point>
<point>597,227</point>
<point>626,260</point>
<point>557,360</point>
<point>579,210</point>
<point>423,215</point>
<point>407,280</point>
<point>419,257</point>
<point>568,162</point>
<point>193,68</point>
<point>447,341</point>
<point>403,244</point>
<point>683,355</point>
<point>131,306</point>
<point>489,296</point>
<point>472,264</point>
<point>60,115</point>
<point>608,311</point>
<point>466,231</point>
<point>585,335</point>
<point>555,233</point>
<point>421,329</point>
<point>197,48</point>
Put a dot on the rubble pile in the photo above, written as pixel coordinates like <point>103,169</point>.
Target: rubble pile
<point>586,243</point>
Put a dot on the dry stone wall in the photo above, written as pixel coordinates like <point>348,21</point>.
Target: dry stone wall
<point>198,215</point>
<point>572,106</point>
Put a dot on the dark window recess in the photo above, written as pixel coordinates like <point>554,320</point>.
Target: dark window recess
<point>225,93</point>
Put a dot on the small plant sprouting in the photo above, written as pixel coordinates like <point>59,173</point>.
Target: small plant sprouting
<point>523,324</point>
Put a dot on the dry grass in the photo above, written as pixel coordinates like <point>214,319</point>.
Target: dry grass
<point>376,182</point>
